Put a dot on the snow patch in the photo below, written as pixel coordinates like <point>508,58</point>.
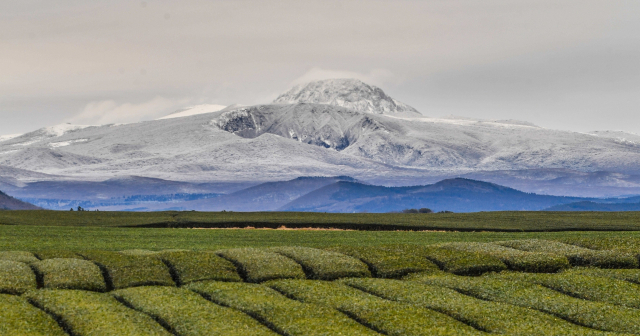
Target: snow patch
<point>27,143</point>
<point>60,130</point>
<point>194,110</point>
<point>66,143</point>
<point>8,152</point>
<point>349,93</point>
<point>461,121</point>
<point>618,136</point>
<point>8,137</point>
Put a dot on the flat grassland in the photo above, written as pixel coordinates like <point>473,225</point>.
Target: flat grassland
<point>506,221</point>
<point>41,230</point>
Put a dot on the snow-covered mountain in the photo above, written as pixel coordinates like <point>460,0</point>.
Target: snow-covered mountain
<point>349,93</point>
<point>282,141</point>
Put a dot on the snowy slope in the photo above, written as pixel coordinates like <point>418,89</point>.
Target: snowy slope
<point>194,110</point>
<point>349,93</point>
<point>277,142</point>
<point>618,135</point>
<point>8,137</point>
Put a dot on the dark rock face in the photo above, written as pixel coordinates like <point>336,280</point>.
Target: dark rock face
<point>321,125</point>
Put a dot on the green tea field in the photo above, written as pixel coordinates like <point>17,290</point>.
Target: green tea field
<point>566,284</point>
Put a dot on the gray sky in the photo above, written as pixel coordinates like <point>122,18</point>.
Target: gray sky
<point>570,64</point>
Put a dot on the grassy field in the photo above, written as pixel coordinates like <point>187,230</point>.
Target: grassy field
<point>512,221</point>
<point>66,230</point>
<point>39,238</point>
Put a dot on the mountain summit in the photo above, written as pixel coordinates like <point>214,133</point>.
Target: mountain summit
<point>349,93</point>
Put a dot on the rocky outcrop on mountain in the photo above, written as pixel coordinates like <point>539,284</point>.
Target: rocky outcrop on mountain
<point>315,124</point>
<point>349,93</point>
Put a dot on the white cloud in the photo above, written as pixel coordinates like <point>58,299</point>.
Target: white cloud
<point>377,77</point>
<point>109,111</point>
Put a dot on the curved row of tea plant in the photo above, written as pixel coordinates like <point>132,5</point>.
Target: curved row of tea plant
<point>101,271</point>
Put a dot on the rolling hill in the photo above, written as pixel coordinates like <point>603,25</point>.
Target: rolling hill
<point>458,195</point>
<point>9,203</point>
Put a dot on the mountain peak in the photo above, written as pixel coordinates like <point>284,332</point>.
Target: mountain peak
<point>350,93</point>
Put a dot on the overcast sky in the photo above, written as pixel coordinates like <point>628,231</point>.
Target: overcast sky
<point>568,64</point>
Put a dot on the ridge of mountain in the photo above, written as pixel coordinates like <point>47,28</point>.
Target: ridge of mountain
<point>458,195</point>
<point>9,203</point>
<point>347,92</point>
<point>308,193</point>
<point>267,196</point>
<point>595,206</point>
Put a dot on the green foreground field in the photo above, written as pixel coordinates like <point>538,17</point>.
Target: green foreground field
<point>573,285</point>
<point>64,273</point>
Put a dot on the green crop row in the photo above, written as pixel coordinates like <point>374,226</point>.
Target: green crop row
<point>130,268</point>
<point>284,315</point>
<point>191,266</point>
<point>324,265</point>
<point>631,245</point>
<point>493,317</point>
<point>21,256</point>
<point>515,259</point>
<point>138,252</point>
<point>59,273</point>
<point>96,314</point>
<point>122,271</point>
<point>630,275</point>
<point>18,317</point>
<point>596,315</point>
<point>16,277</point>
<point>577,256</point>
<point>53,254</point>
<point>186,313</point>
<point>461,262</point>
<point>387,317</point>
<point>257,265</point>
<point>618,292</point>
<point>389,261</point>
